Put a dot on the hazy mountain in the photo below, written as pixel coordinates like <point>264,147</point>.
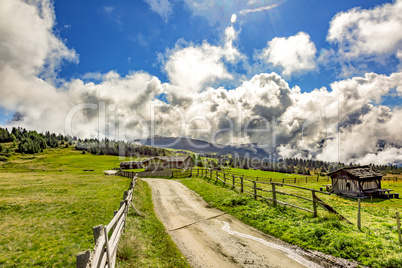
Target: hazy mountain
<point>203,147</point>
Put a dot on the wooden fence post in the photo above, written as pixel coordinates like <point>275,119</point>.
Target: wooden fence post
<point>398,225</point>
<point>198,172</point>
<point>255,190</point>
<point>108,260</point>
<point>241,184</point>
<point>314,203</point>
<point>233,181</point>
<point>97,230</point>
<point>274,194</point>
<point>224,178</point>
<point>125,195</point>
<point>359,223</point>
<point>210,174</point>
<point>83,258</point>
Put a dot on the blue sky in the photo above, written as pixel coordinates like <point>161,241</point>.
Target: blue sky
<point>210,70</point>
<point>128,35</point>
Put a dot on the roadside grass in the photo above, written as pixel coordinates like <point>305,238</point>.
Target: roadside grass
<point>145,242</point>
<point>275,176</point>
<point>325,233</point>
<point>49,204</point>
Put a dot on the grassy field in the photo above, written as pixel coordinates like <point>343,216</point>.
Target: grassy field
<point>375,245</point>
<point>145,242</point>
<point>49,204</point>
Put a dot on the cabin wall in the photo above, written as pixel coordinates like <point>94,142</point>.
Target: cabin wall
<point>370,185</point>
<point>154,164</point>
<point>343,184</point>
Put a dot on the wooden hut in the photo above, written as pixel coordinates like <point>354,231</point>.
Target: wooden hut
<point>131,165</point>
<point>357,182</point>
<point>164,162</point>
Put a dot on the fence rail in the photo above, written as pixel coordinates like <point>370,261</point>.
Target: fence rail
<point>258,189</point>
<point>107,237</point>
<point>255,188</point>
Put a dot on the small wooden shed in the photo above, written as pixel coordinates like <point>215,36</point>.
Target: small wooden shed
<point>164,162</point>
<point>131,165</point>
<point>357,182</point>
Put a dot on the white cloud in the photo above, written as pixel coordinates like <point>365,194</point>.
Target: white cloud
<point>259,9</point>
<point>192,67</point>
<point>368,131</point>
<point>294,54</point>
<point>27,42</point>
<point>162,7</point>
<point>367,32</point>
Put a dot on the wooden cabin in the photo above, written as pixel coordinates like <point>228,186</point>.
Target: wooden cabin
<point>131,165</point>
<point>164,162</point>
<point>357,182</point>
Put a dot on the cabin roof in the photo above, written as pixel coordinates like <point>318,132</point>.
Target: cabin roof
<point>169,158</point>
<point>363,172</point>
<point>130,162</point>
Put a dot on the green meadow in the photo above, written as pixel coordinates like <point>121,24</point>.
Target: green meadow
<point>375,245</point>
<point>49,204</point>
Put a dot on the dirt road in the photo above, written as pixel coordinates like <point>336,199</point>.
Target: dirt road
<point>210,238</point>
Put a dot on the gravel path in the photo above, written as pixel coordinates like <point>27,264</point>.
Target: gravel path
<point>210,238</point>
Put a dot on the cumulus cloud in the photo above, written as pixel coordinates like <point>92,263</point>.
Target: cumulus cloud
<point>345,123</point>
<point>364,36</point>
<point>191,67</point>
<point>366,32</point>
<point>27,41</point>
<point>162,7</point>
<point>294,54</point>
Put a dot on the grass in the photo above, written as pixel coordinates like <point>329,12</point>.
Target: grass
<point>145,242</point>
<point>325,233</point>
<point>49,204</point>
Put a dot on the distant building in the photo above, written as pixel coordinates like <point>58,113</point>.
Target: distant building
<point>357,182</point>
<point>131,165</point>
<point>164,162</point>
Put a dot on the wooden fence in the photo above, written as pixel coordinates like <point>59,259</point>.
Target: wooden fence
<point>107,237</point>
<point>295,180</point>
<point>267,190</point>
<point>169,173</point>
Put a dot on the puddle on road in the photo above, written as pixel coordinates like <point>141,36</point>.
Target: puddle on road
<point>289,252</point>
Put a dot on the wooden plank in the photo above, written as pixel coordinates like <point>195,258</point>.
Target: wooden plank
<point>102,262</point>
<point>255,191</point>
<point>109,261</point>
<point>263,190</point>
<point>98,250</point>
<point>398,226</point>
<point>359,223</point>
<point>299,187</point>
<point>284,203</point>
<point>301,197</point>
<point>116,217</point>
<point>118,228</point>
<point>314,203</point>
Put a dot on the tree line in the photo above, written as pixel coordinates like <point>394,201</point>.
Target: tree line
<point>121,148</point>
<point>31,142</point>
